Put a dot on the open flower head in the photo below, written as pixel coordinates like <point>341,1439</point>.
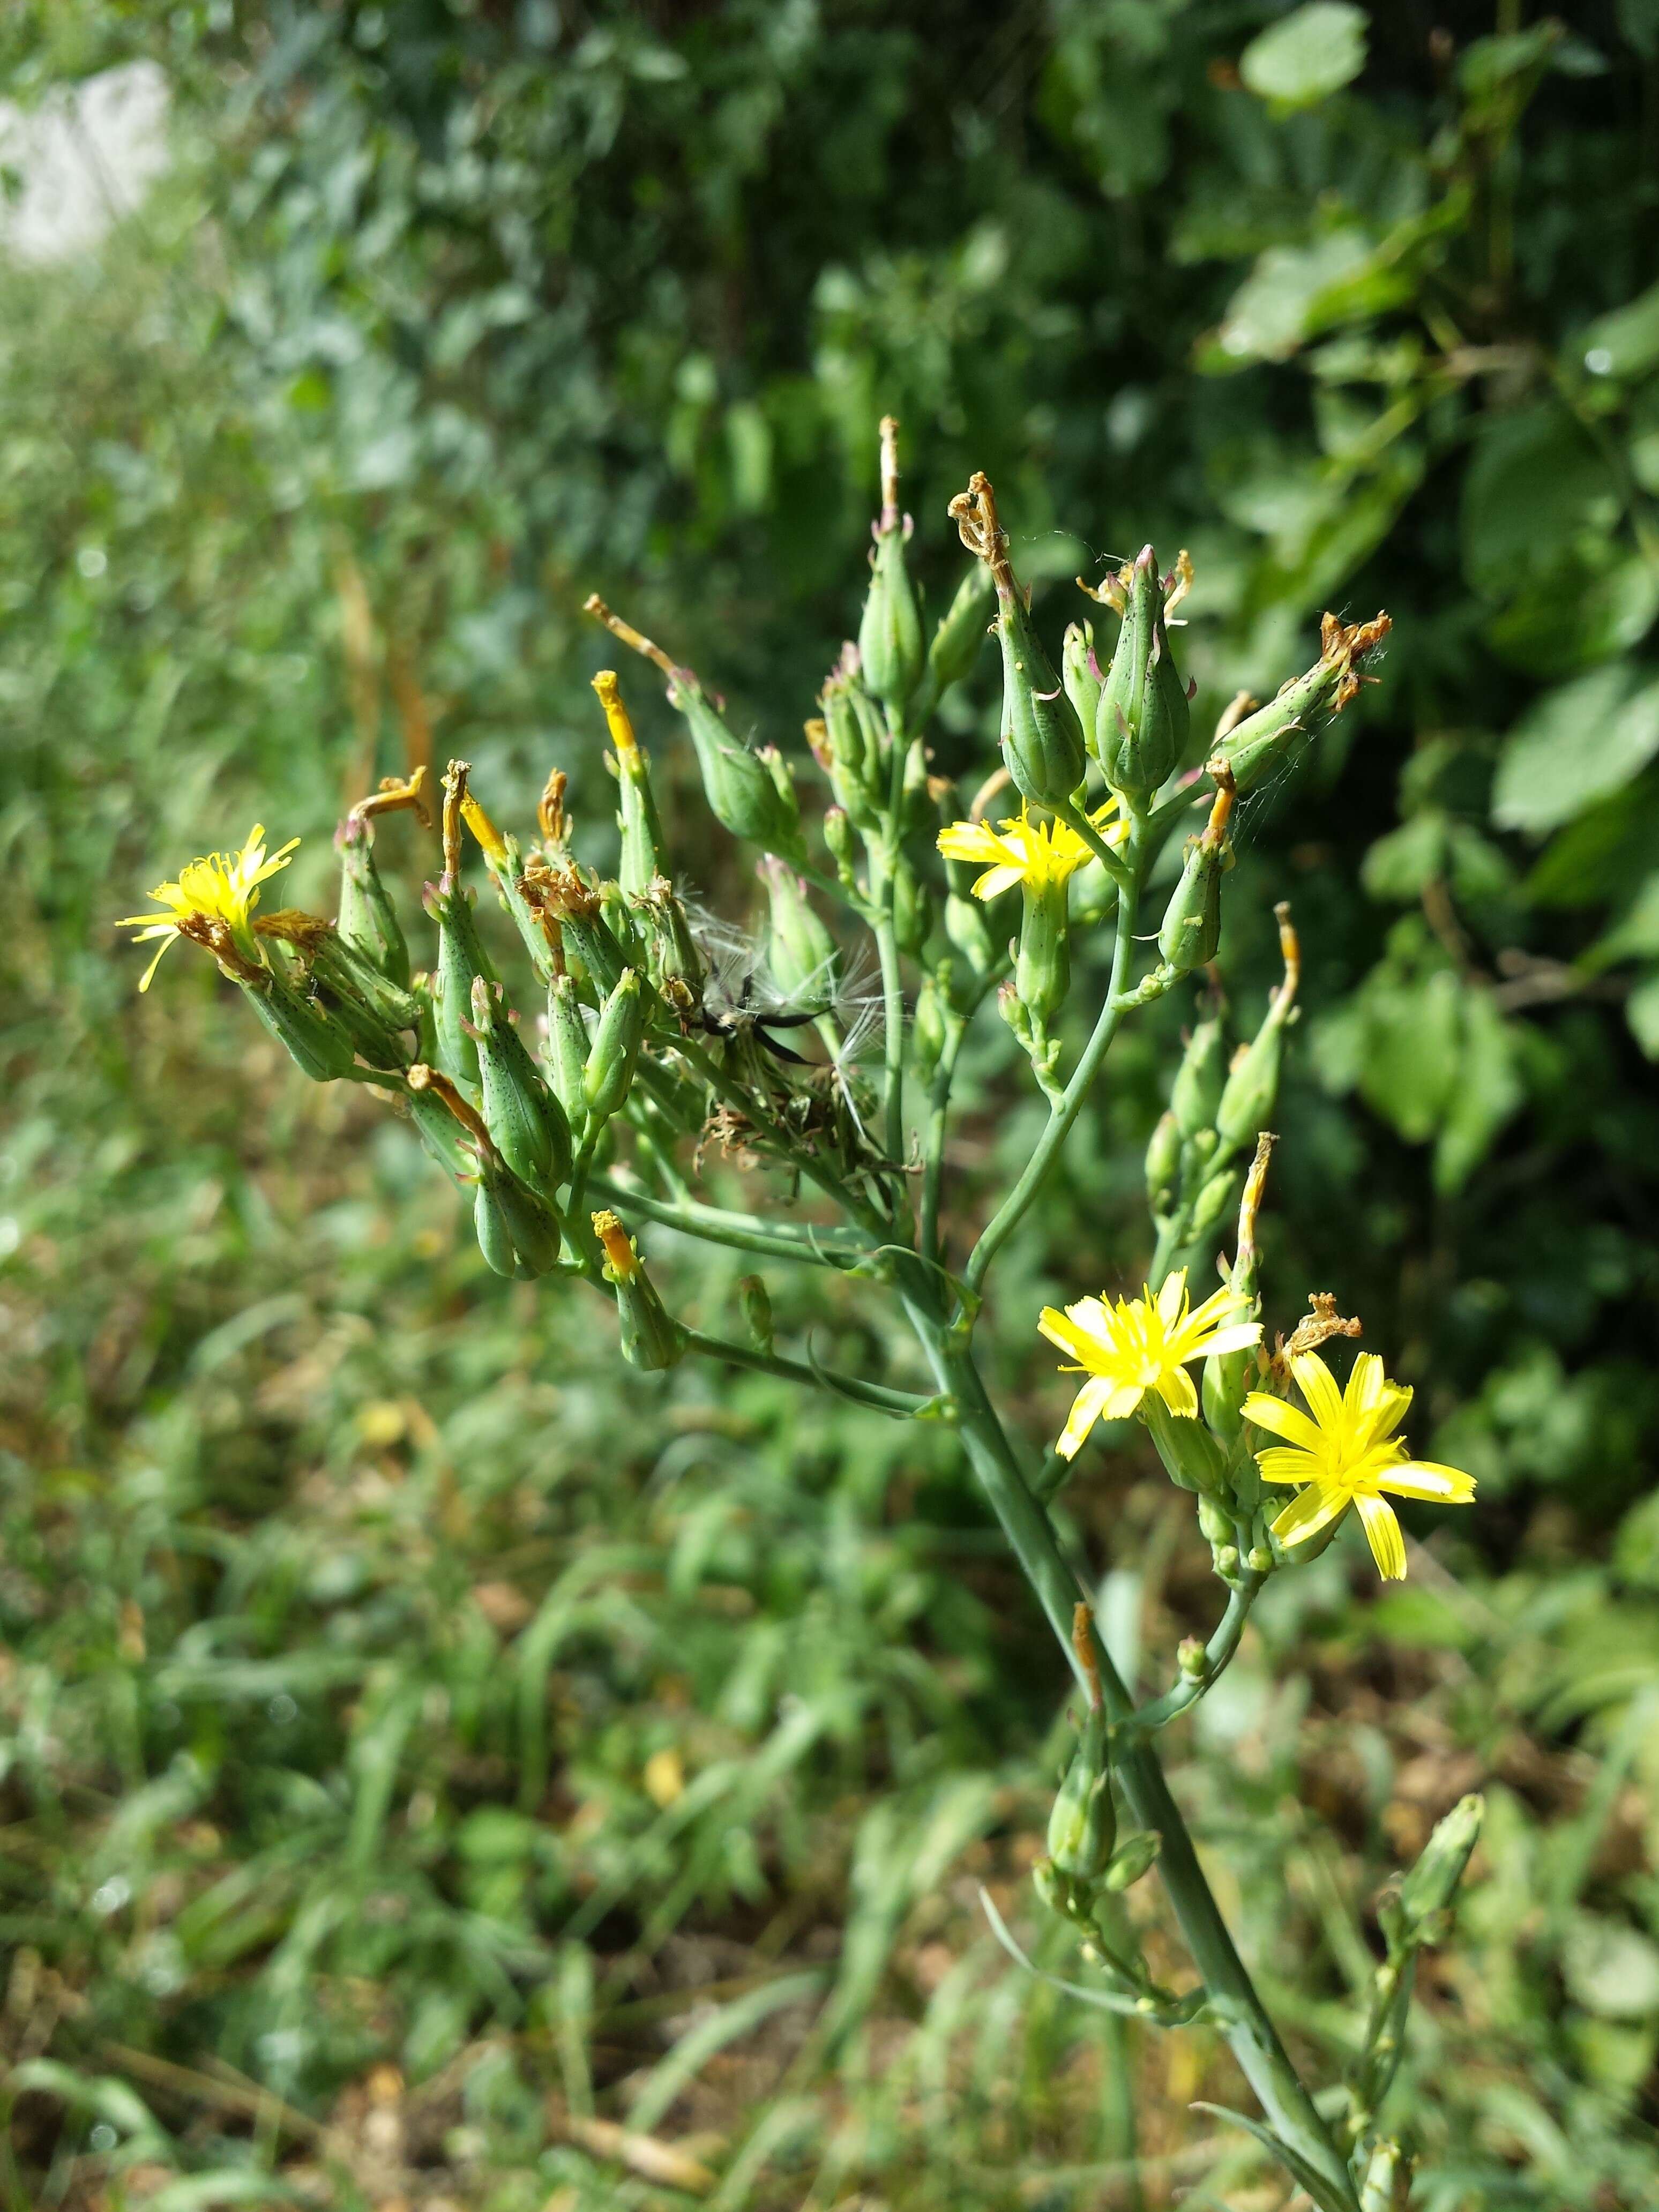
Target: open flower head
<point>1043,854</point>
<point>1139,1344</point>
<point>1344,1452</point>
<point>224,887</point>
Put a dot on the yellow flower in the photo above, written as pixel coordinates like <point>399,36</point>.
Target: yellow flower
<point>223,887</point>
<point>1139,1344</point>
<point>1040,854</point>
<point>1348,1454</point>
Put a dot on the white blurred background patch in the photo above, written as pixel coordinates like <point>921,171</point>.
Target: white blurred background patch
<point>80,159</point>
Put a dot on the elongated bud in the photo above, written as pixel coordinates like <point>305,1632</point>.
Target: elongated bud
<point>650,1338</point>
<point>1252,1084</point>
<point>1042,738</point>
<point>525,1121</point>
<point>368,918</point>
<point>840,746</point>
<point>1079,673</point>
<point>1191,920</point>
<point>1042,968</point>
<point>1191,1456</point>
<point>744,797</point>
<point>313,1040</point>
<point>1134,1856</point>
<point>518,1231</point>
<point>461,958</point>
<point>1082,1824</point>
<point>1144,716</point>
<point>450,1128</point>
<point>1162,1164</point>
<point>927,1028</point>
<point>960,638</point>
<point>1430,1887</point>
<point>644,847</point>
<point>1213,1202</point>
<point>671,957</point>
<point>804,957</point>
<point>615,1051</point>
<point>890,634</point>
<point>913,909</point>
<point>375,1012</point>
<point>1254,747</point>
<point>567,1048</point>
<point>838,842</point>
<point>1199,1081</point>
<point>1229,1377</point>
<point>756,1312</point>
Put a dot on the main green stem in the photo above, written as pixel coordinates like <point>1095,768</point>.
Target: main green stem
<point>1064,1114</point>
<point>1232,1995</point>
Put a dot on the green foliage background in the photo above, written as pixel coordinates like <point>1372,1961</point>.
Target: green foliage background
<point>348,1593</point>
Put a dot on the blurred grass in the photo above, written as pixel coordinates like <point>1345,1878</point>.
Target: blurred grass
<point>438,1767</point>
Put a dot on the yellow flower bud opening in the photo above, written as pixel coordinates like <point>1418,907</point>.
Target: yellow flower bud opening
<point>616,714</point>
<point>221,887</point>
<point>489,836</point>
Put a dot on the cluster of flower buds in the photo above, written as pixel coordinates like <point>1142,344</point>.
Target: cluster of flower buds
<point>1217,1107</point>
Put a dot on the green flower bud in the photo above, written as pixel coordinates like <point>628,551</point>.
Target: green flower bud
<point>804,957</point>
<point>1163,1164</point>
<point>1254,746</point>
<point>461,961</point>
<point>1229,1377</point>
<point>1215,1523</point>
<point>313,1039</point>
<point>744,794</point>
<point>367,918</point>
<point>1430,1886</point>
<point>1191,920</point>
<point>1199,1081</point>
<point>1135,1856</point>
<point>756,1312</point>
<point>890,634</point>
<point>1192,1458</point>
<point>1083,1824</point>
<point>674,963</point>
<point>532,1224</point>
<point>644,847</point>
<point>1042,969</point>
<point>1080,674</point>
<point>927,1029</point>
<point>1214,1199</point>
<point>526,1122</point>
<point>650,1338</point>
<point>1042,738</point>
<point>1144,716</point>
<point>615,1048</point>
<point>567,1048</point>
<point>838,842</point>
<point>494,1238</point>
<point>960,638</point>
<point>1252,1086</point>
<point>842,749</point>
<point>913,909</point>
<point>374,1012</point>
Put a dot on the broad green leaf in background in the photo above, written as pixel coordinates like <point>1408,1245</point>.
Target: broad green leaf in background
<point>1575,746</point>
<point>1310,54</point>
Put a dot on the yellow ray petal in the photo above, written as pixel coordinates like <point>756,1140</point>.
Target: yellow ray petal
<point>1266,1411</point>
<point>1281,1463</point>
<point>1086,1409</point>
<point>1070,1331</point>
<point>1318,1386</point>
<point>1308,1512</point>
<point>1426,1478</point>
<point>1174,1387</point>
<point>1382,1533</point>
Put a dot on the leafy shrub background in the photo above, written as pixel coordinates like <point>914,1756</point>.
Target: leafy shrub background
<point>388,1685</point>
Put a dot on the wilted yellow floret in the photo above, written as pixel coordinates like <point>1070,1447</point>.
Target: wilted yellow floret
<point>1040,854</point>
<point>221,887</point>
<point>1347,1455</point>
<point>1139,1344</point>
